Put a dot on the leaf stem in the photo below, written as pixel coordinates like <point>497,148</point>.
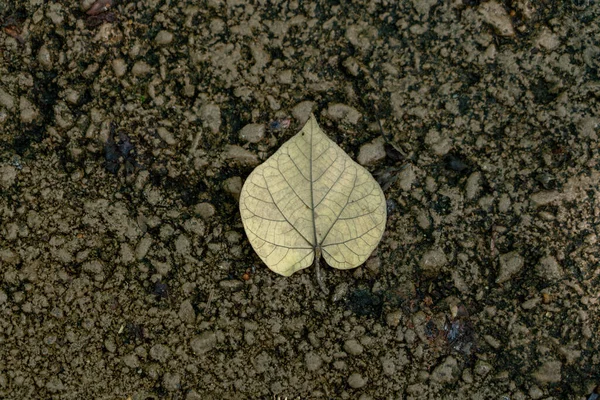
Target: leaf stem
<point>320,279</point>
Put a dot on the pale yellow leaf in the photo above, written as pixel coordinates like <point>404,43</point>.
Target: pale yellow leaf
<point>311,198</point>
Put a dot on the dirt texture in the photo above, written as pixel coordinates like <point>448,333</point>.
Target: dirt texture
<point>126,133</point>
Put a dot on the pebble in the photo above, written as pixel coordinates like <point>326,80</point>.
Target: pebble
<point>166,136</point>
<point>549,269</point>
<point>131,360</point>
<point>252,133</point>
<point>388,366</point>
<point>140,68</point>
<point>356,381</point>
<point>6,100</point>
<point>547,40</point>
<point>44,58</point>
<point>446,372</point>
<point>549,372</point>
<point>313,361</point>
<point>93,267</point>
<point>510,264</point>
<point>407,177</point>
<point>544,197</point>
<point>210,114</point>
<point>340,292</point>
<point>353,347</point>
<point>233,186</point>
<point>531,303</point>
<point>473,185</point>
<point>163,38</point>
<point>343,113</point>
<point>372,152</point>
<point>8,176</point>
<point>160,353</point>
<point>119,67</point>
<point>205,210</point>
<point>240,155</point>
<point>393,318</point>
<point>172,381</point>
<point>302,110</point>
<point>204,342</point>
<point>186,312</point>
<point>231,284</point>
<point>495,15</point>
<point>3,297</point>
<point>482,368</point>
<point>143,247</point>
<point>54,385</point>
<point>432,262</point>
<point>28,111</point>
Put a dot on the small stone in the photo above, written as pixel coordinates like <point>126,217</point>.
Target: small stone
<point>54,385</point>
<point>406,177</point>
<point>547,40</point>
<point>240,155</point>
<point>482,368</point>
<point>166,136</point>
<point>301,111</point>
<point>252,133</point>
<point>171,381</point>
<point>432,262</point>
<point>140,68</point>
<point>535,392</point>
<point>446,372</point>
<point>8,176</point>
<point>343,113</point>
<point>531,303</point>
<point>119,67</point>
<point>131,360</point>
<point>495,15</point>
<point>205,210</point>
<point>313,361</point>
<point>233,186</point>
<point>353,347</point>
<point>510,264</point>
<point>204,342</point>
<point>356,381</point>
<point>473,185</point>
<point>388,366</point>
<point>393,318</point>
<point>351,66</point>
<point>3,297</point>
<point>6,100</point>
<point>110,345</point>
<point>372,152</point>
<point>195,226</point>
<point>163,38</point>
<point>549,269</point>
<point>143,247</point>
<point>210,114</point>
<point>544,197</point>
<point>29,112</point>
<point>231,284</point>
<point>549,372</point>
<point>193,395</point>
<point>44,58</point>
<point>160,353</point>
<point>93,267</point>
<point>186,312</point>
<point>340,292</point>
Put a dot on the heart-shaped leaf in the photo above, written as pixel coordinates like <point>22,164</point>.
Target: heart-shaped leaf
<point>310,198</point>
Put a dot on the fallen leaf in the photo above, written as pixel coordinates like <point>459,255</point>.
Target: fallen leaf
<point>310,198</point>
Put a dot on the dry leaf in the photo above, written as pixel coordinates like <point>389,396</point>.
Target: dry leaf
<point>310,198</point>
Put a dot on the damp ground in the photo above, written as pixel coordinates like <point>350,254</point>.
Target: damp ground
<point>125,137</point>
